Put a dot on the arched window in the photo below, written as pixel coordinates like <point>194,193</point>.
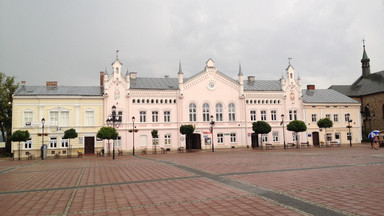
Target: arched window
<point>142,101</point>
<point>147,100</point>
<point>231,112</point>
<point>133,101</point>
<point>205,112</point>
<point>219,112</point>
<point>192,112</point>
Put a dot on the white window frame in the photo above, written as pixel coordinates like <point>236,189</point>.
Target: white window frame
<point>167,116</point>
<point>192,112</point>
<point>263,115</point>
<point>27,119</point>
<point>155,116</point>
<point>231,112</point>
<point>206,113</point>
<point>89,117</point>
<point>292,115</point>
<point>167,139</point>
<point>294,136</point>
<point>219,112</point>
<point>64,143</point>
<point>143,116</point>
<point>264,138</point>
<point>233,138</point>
<point>273,115</point>
<point>52,142</point>
<point>275,136</point>
<point>336,117</point>
<point>220,138</point>
<point>314,117</point>
<point>28,144</point>
<point>253,115</point>
<point>117,142</point>
<point>328,116</point>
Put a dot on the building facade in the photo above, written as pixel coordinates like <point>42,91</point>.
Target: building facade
<point>62,108</point>
<point>368,90</point>
<point>144,104</point>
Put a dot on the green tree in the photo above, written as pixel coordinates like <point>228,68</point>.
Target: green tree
<point>107,133</point>
<point>70,134</point>
<point>260,127</point>
<point>325,123</point>
<point>297,126</point>
<point>188,131</point>
<point>7,88</point>
<point>20,136</point>
<point>155,140</point>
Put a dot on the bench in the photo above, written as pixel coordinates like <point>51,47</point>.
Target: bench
<point>144,151</point>
<point>58,155</point>
<point>269,146</point>
<point>163,150</point>
<point>30,156</point>
<point>305,144</point>
<point>290,145</point>
<point>334,143</point>
<point>119,152</point>
<point>180,150</point>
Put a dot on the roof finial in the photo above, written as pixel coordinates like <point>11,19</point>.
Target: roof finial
<point>180,70</point>
<point>240,71</point>
<point>363,42</point>
<point>117,54</point>
<point>289,60</point>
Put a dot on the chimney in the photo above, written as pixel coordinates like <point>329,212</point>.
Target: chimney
<point>23,83</point>
<point>166,76</point>
<point>101,78</point>
<point>51,83</point>
<point>133,75</point>
<point>251,78</point>
<point>310,87</point>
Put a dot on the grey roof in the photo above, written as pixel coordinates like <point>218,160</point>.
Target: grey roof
<point>326,96</point>
<point>262,85</point>
<point>155,83</point>
<point>59,91</point>
<point>373,83</point>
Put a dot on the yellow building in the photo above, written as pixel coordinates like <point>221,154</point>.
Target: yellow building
<point>342,110</point>
<point>62,108</point>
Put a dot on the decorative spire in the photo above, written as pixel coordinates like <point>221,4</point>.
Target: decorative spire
<point>180,70</point>
<point>365,62</point>
<point>240,71</point>
<point>117,54</point>
<point>289,60</point>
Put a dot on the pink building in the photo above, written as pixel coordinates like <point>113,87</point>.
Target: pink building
<point>167,103</point>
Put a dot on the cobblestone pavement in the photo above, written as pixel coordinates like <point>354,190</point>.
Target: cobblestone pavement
<point>315,181</point>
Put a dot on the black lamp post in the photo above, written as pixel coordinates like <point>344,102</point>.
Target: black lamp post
<point>212,124</point>
<point>115,120</point>
<point>282,123</point>
<point>349,130</point>
<point>133,135</point>
<point>42,138</point>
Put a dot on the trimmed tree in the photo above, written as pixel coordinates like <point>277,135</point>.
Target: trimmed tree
<point>20,136</point>
<point>325,123</point>
<point>107,133</point>
<point>70,134</point>
<point>188,131</point>
<point>261,127</point>
<point>297,126</point>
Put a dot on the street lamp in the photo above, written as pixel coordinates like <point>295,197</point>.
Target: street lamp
<point>115,120</point>
<point>212,124</point>
<point>42,138</point>
<point>349,130</point>
<point>133,135</point>
<point>282,123</point>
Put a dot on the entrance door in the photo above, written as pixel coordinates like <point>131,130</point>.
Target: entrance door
<point>255,142</point>
<point>315,138</point>
<point>89,145</point>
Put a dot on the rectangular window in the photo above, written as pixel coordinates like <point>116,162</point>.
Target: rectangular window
<point>273,115</point>
<point>64,118</point>
<point>264,138</point>
<point>155,116</point>
<point>64,143</point>
<point>346,117</point>
<point>233,138</point>
<point>263,115</point>
<point>253,115</point>
<point>314,118</point>
<point>335,117</point>
<point>28,117</point>
<point>328,116</point>
<point>275,136</point>
<point>53,142</point>
<point>89,118</point>
<point>220,138</point>
<point>329,137</point>
<point>292,115</point>
<point>54,117</point>
<point>117,142</point>
<point>143,116</point>
<point>167,116</point>
<point>28,144</point>
<point>167,139</point>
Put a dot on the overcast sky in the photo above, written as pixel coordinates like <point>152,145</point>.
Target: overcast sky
<point>72,41</point>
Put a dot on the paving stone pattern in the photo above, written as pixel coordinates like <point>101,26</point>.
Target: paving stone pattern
<point>327,181</point>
